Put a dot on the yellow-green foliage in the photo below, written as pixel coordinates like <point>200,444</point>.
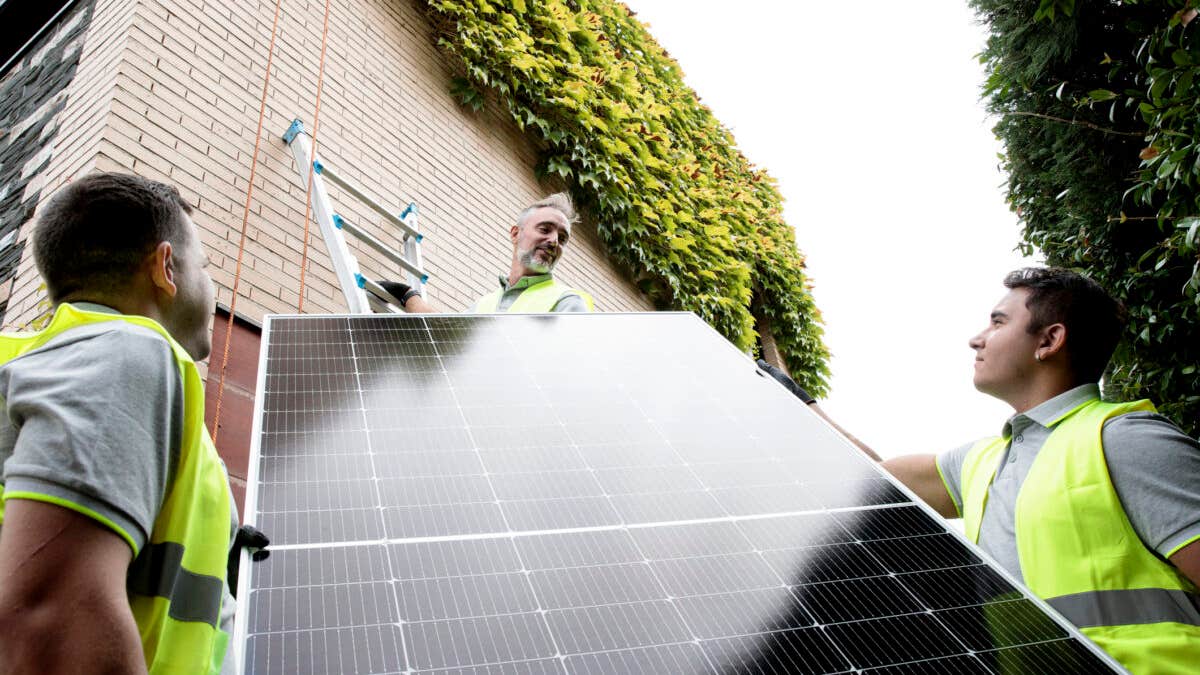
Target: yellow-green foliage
<point>672,197</point>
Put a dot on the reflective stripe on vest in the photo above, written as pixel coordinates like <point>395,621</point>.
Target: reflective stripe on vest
<point>176,583</point>
<point>158,572</point>
<point>1128,607</point>
<point>1079,552</point>
<point>537,298</point>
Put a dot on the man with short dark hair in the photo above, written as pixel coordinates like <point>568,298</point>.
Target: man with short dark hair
<point>116,518</point>
<point>539,236</point>
<point>1093,505</point>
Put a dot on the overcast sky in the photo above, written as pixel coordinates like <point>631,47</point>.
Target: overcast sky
<point>868,114</point>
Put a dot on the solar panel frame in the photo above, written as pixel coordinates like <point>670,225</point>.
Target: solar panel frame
<point>885,481</point>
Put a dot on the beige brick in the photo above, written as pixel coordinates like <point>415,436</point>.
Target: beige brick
<point>173,90</point>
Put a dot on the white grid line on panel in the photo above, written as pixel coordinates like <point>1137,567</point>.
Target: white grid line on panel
<point>594,588</point>
<point>379,496</point>
<point>540,605</point>
<point>575,530</point>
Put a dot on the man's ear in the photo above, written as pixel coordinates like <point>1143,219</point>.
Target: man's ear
<point>513,231</point>
<point>1053,340</point>
<point>161,264</point>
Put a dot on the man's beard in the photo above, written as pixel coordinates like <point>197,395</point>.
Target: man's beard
<point>530,262</point>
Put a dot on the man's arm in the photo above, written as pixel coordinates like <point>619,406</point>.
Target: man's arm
<point>63,606</point>
<point>919,473</point>
<point>1154,468</point>
<point>866,449</point>
<point>417,305</point>
<point>94,413</point>
<point>1187,561</point>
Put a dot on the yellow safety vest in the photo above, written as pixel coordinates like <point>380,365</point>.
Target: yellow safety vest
<point>1079,552</point>
<point>535,299</point>
<point>177,581</point>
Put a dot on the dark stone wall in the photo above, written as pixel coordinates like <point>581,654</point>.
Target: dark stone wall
<point>32,94</point>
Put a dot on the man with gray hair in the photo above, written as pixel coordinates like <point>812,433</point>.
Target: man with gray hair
<point>539,236</point>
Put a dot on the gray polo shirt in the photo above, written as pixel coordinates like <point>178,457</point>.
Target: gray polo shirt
<point>1154,466</point>
<point>569,302</point>
<point>95,417</point>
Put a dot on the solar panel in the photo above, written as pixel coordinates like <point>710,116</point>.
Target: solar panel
<point>586,494</point>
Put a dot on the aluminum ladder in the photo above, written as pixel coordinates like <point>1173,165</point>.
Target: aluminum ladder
<point>363,295</point>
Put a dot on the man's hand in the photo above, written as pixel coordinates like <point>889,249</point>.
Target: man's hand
<point>786,381</point>
<point>398,290</point>
<point>248,537</point>
<point>410,298</point>
<point>63,606</point>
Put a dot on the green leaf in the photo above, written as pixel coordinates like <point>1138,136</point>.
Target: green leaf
<point>672,197</point>
<point>1192,225</point>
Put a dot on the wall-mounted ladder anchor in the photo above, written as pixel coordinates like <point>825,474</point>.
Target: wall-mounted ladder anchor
<point>363,295</point>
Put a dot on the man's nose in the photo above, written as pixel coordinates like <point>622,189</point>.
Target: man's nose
<point>976,342</point>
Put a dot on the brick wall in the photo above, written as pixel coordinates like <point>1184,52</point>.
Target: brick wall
<point>178,99</point>
<point>78,142</point>
<point>171,90</point>
<point>33,95</point>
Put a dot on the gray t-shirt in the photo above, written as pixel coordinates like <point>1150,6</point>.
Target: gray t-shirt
<point>95,417</point>
<point>1154,467</point>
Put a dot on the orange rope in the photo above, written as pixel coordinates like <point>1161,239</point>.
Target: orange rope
<point>316,126</point>
<point>237,274</point>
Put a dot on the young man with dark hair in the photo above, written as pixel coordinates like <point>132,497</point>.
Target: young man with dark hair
<point>1095,506</point>
<point>539,236</point>
<point>117,518</point>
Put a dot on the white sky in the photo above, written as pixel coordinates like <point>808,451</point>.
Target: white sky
<point>869,116</point>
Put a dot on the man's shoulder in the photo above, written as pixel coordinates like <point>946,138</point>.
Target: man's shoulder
<point>954,458</point>
<point>573,300</point>
<point>1137,433</point>
<point>118,326</point>
<point>117,336</point>
<point>1144,422</point>
<point>109,346</point>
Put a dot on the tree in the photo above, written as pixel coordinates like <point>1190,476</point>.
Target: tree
<point>1098,105</point>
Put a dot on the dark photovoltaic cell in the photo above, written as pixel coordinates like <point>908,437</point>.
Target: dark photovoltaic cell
<point>591,494</point>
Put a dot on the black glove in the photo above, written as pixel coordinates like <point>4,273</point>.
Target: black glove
<point>249,537</point>
<point>788,382</point>
<point>400,291</point>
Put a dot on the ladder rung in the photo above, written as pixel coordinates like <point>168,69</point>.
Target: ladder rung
<point>334,178</point>
<point>333,229</point>
<point>383,248</point>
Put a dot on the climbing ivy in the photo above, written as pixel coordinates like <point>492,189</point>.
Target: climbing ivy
<point>673,199</point>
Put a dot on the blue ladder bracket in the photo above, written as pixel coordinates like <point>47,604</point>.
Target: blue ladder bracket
<point>296,128</point>
<point>412,208</point>
<point>362,281</point>
<point>318,166</point>
<point>338,221</point>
